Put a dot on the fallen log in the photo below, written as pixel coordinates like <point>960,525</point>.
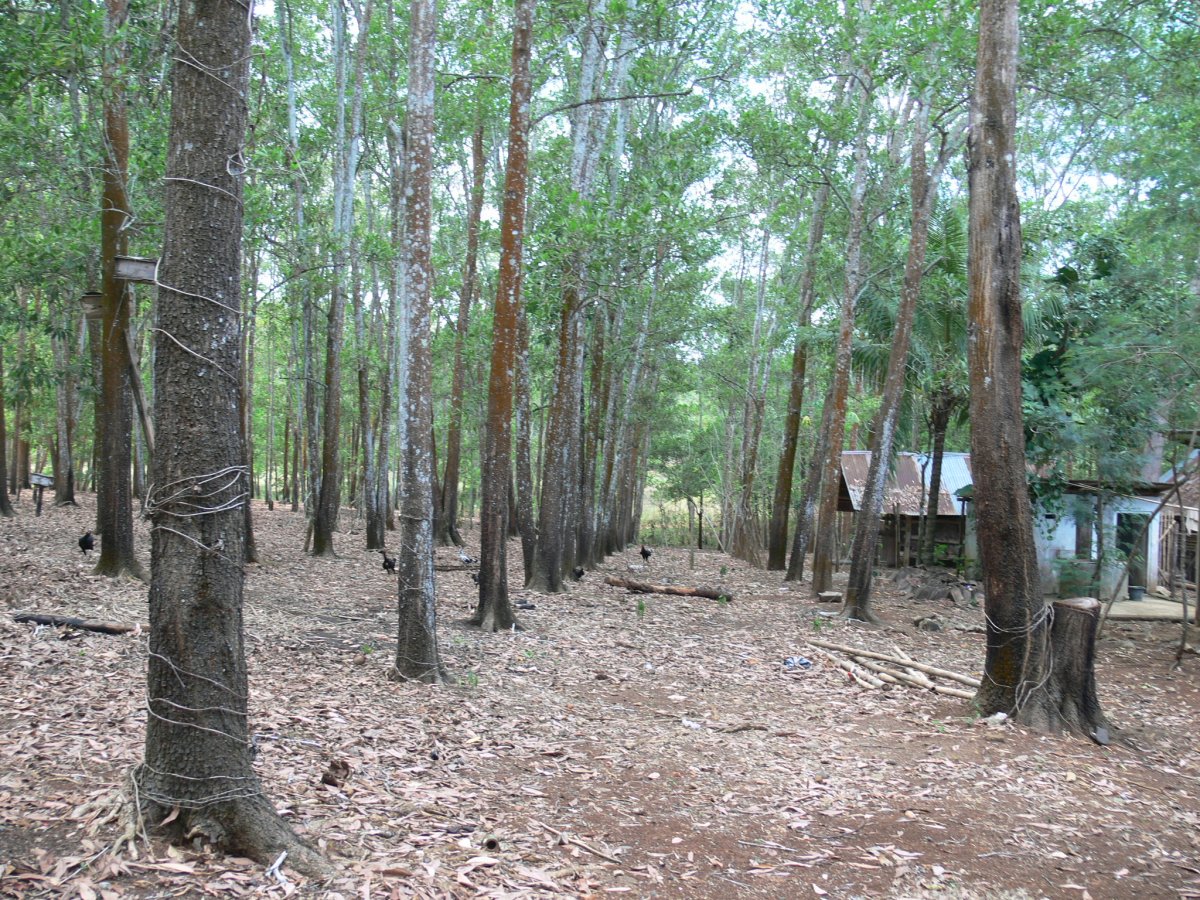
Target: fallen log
<point>71,622</point>
<point>903,663</point>
<point>641,587</point>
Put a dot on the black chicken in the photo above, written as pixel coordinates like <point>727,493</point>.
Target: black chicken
<point>389,563</point>
<point>475,577</point>
<point>646,553</point>
<point>577,573</point>
<point>86,543</point>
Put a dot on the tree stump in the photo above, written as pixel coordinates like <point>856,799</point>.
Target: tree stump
<point>1073,675</point>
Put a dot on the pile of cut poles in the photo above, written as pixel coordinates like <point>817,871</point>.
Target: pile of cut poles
<point>867,668</point>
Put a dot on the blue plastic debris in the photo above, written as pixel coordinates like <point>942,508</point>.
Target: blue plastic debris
<point>797,662</point>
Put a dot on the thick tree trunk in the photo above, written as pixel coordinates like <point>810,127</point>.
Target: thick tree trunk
<point>1040,677</point>
<point>416,646</point>
<point>115,502</point>
<point>448,526</point>
<point>198,777</point>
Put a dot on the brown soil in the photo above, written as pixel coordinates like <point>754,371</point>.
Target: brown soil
<point>647,745</point>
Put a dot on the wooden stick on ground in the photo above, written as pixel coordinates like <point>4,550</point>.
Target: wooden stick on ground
<point>918,682</point>
<point>921,667</point>
<point>642,587</point>
<point>82,624</point>
<point>865,679</point>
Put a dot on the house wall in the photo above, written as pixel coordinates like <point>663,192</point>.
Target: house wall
<point>1054,538</point>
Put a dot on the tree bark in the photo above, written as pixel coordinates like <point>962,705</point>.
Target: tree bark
<point>524,455</point>
<point>416,646</point>
<point>824,543</point>
<point>1037,676</point>
<point>448,524</point>
<point>924,188</point>
<point>494,613</point>
<point>944,401</point>
<point>777,540</point>
<point>115,501</point>
<point>807,513</point>
<point>6,510</point>
<point>198,777</point>
<point>346,167</point>
<point>64,456</point>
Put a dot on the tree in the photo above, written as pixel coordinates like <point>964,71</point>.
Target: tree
<point>448,521</point>
<point>494,612</point>
<point>416,648</point>
<point>1038,666</point>
<point>6,509</point>
<point>924,187</point>
<point>198,778</point>
<point>115,502</point>
<point>345,175</point>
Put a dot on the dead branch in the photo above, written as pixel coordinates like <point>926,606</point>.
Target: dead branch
<point>865,679</point>
<point>69,622</point>
<point>912,680</point>
<point>642,587</point>
<point>921,667</point>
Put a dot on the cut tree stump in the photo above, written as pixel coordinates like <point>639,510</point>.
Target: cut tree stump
<point>1073,638</point>
<point>70,622</point>
<point>642,587</point>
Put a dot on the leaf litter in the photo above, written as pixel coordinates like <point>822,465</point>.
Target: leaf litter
<point>645,745</point>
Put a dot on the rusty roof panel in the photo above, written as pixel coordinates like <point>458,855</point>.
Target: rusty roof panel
<point>906,483</point>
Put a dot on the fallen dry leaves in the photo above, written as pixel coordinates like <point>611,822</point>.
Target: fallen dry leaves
<point>619,744</point>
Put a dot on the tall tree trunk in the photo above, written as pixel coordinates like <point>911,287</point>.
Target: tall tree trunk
<point>416,646</point>
<point>777,540</point>
<point>1023,676</point>
<point>494,612</point>
<point>345,176</point>
<point>246,405</point>
<point>560,482</point>
<point>115,503</point>
<point>923,192</point>
<point>807,513</point>
<point>824,543</point>
<point>64,455</point>
<point>524,460</point>
<point>944,402</point>
<point>6,510</point>
<point>198,776</point>
<point>745,544</point>
<point>448,524</point>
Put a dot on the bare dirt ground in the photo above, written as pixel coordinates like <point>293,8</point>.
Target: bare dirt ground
<point>654,747</point>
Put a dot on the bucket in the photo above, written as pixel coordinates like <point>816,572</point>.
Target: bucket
<point>1136,592</point>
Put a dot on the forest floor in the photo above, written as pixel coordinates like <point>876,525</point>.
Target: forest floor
<point>655,746</point>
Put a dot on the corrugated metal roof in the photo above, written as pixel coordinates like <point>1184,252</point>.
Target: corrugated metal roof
<point>907,483</point>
